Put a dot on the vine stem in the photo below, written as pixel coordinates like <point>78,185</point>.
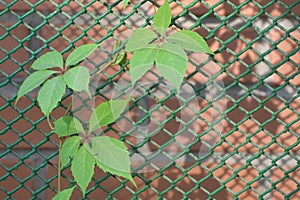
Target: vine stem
<point>71,104</point>
<point>59,166</point>
<point>101,70</point>
<point>49,123</point>
<point>60,139</point>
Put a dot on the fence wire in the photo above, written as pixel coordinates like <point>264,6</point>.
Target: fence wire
<point>232,133</point>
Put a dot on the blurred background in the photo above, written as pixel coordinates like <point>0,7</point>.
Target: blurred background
<point>232,133</point>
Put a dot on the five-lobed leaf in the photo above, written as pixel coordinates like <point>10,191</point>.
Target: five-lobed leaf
<point>190,40</point>
<point>50,94</point>
<point>67,125</point>
<point>112,156</point>
<point>83,167</point>
<point>80,53</point>
<point>33,81</point>
<point>171,62</point>
<point>106,113</point>
<point>139,39</point>
<point>64,195</point>
<point>69,148</point>
<point>162,18</point>
<point>48,60</point>
<point>78,79</point>
<point>141,61</point>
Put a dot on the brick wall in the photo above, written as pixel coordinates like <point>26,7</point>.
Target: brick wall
<point>254,146</point>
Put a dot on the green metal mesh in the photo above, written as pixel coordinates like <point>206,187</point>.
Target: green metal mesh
<point>246,143</point>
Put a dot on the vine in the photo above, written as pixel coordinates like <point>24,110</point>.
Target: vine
<point>168,53</point>
<point>149,47</point>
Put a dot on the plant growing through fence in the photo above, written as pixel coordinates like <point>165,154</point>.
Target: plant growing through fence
<point>149,47</point>
<point>166,52</point>
<point>83,154</point>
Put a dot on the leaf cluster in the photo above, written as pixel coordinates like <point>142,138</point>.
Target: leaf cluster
<point>169,56</point>
<point>69,75</point>
<point>81,148</point>
<point>109,154</point>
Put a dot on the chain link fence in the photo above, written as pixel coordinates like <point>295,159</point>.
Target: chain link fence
<point>232,133</point>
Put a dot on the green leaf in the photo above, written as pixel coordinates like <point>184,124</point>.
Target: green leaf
<point>33,81</point>
<point>48,60</point>
<point>190,40</point>
<point>78,79</point>
<point>67,125</point>
<point>83,167</point>
<point>139,39</point>
<point>162,18</point>
<point>120,58</point>
<point>80,53</point>
<point>69,148</point>
<point>125,2</point>
<point>171,62</point>
<point>111,156</point>
<point>50,94</point>
<point>106,113</point>
<point>141,61</point>
<point>64,195</point>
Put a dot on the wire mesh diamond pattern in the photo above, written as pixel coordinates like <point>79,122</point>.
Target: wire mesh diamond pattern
<point>232,133</point>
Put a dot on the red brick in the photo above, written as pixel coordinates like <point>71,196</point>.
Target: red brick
<point>200,182</point>
<point>264,136</point>
<point>242,177</point>
<point>249,9</point>
<point>288,68</point>
<point>277,9</point>
<point>26,129</point>
<point>285,184</point>
<point>12,55</point>
<point>235,65</point>
<point>15,177</point>
<point>261,134</point>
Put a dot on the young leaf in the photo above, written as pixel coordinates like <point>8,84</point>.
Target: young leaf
<point>64,195</point>
<point>67,125</point>
<point>139,39</point>
<point>112,156</point>
<point>80,53</point>
<point>171,62</point>
<point>50,94</point>
<point>120,57</point>
<point>78,79</point>
<point>83,167</point>
<point>33,81</point>
<point>141,61</point>
<point>190,40</point>
<point>162,18</point>
<point>48,60</point>
<point>69,148</point>
<point>106,113</point>
<point>125,2</point>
